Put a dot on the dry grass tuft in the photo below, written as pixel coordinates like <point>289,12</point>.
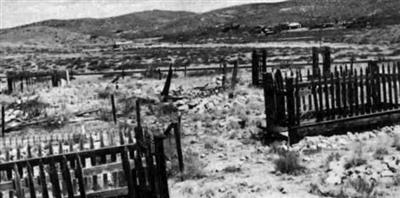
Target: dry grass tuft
<point>396,142</point>
<point>357,158</point>
<point>193,166</point>
<point>380,153</point>
<point>288,162</point>
<point>364,187</point>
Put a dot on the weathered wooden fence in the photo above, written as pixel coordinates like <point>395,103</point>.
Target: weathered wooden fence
<point>26,80</point>
<point>325,66</point>
<point>325,103</point>
<point>132,170</point>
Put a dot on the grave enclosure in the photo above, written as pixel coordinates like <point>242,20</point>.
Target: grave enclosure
<point>130,162</point>
<point>332,99</point>
<point>26,80</point>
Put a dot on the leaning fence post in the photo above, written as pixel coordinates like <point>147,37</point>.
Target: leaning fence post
<point>160,160</point>
<point>177,132</point>
<point>3,122</point>
<point>327,61</point>
<point>113,109</point>
<point>167,85</point>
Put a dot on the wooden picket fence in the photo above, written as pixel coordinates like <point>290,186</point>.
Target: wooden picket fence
<point>330,103</point>
<point>132,170</point>
<point>146,154</point>
<point>26,80</point>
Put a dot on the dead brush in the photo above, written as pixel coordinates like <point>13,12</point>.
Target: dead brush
<point>396,142</point>
<point>193,166</point>
<point>288,162</point>
<point>363,187</point>
<point>380,153</point>
<point>356,159</point>
<point>396,179</point>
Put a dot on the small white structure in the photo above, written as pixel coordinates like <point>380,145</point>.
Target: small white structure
<point>294,25</point>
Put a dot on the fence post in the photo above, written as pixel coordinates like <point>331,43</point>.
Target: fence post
<point>315,61</point>
<point>113,109</point>
<point>264,61</point>
<point>22,84</point>
<point>10,85</point>
<point>3,122</point>
<point>234,74</point>
<point>327,61</point>
<point>375,86</point>
<point>160,160</point>
<point>269,101</point>
<point>223,73</point>
<point>138,128</point>
<point>254,68</point>
<point>291,111</point>
<point>67,76</point>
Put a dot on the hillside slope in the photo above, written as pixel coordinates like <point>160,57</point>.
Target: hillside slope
<point>47,37</point>
<point>130,23</point>
<point>174,25</point>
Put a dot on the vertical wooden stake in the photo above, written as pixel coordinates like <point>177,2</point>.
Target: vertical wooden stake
<point>223,74</point>
<point>160,160</point>
<point>315,61</point>
<point>177,131</point>
<point>234,74</point>
<point>269,101</point>
<point>67,76</point>
<point>3,122</point>
<point>113,109</point>
<point>327,61</point>
<point>264,60</point>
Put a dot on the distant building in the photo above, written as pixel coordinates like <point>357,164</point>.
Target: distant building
<point>294,25</point>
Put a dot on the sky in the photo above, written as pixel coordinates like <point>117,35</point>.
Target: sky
<point>19,12</point>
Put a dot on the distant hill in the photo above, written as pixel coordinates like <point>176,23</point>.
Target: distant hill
<point>134,23</point>
<point>47,37</point>
<point>172,24</point>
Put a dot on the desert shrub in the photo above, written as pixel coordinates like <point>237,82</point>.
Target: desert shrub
<point>57,120</point>
<point>396,179</point>
<point>152,72</point>
<point>105,114</point>
<point>356,159</point>
<point>231,169</point>
<point>193,166</point>
<point>364,187</point>
<point>127,105</point>
<point>33,108</point>
<point>380,152</point>
<point>278,148</point>
<point>396,142</point>
<point>334,156</point>
<point>288,162</point>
